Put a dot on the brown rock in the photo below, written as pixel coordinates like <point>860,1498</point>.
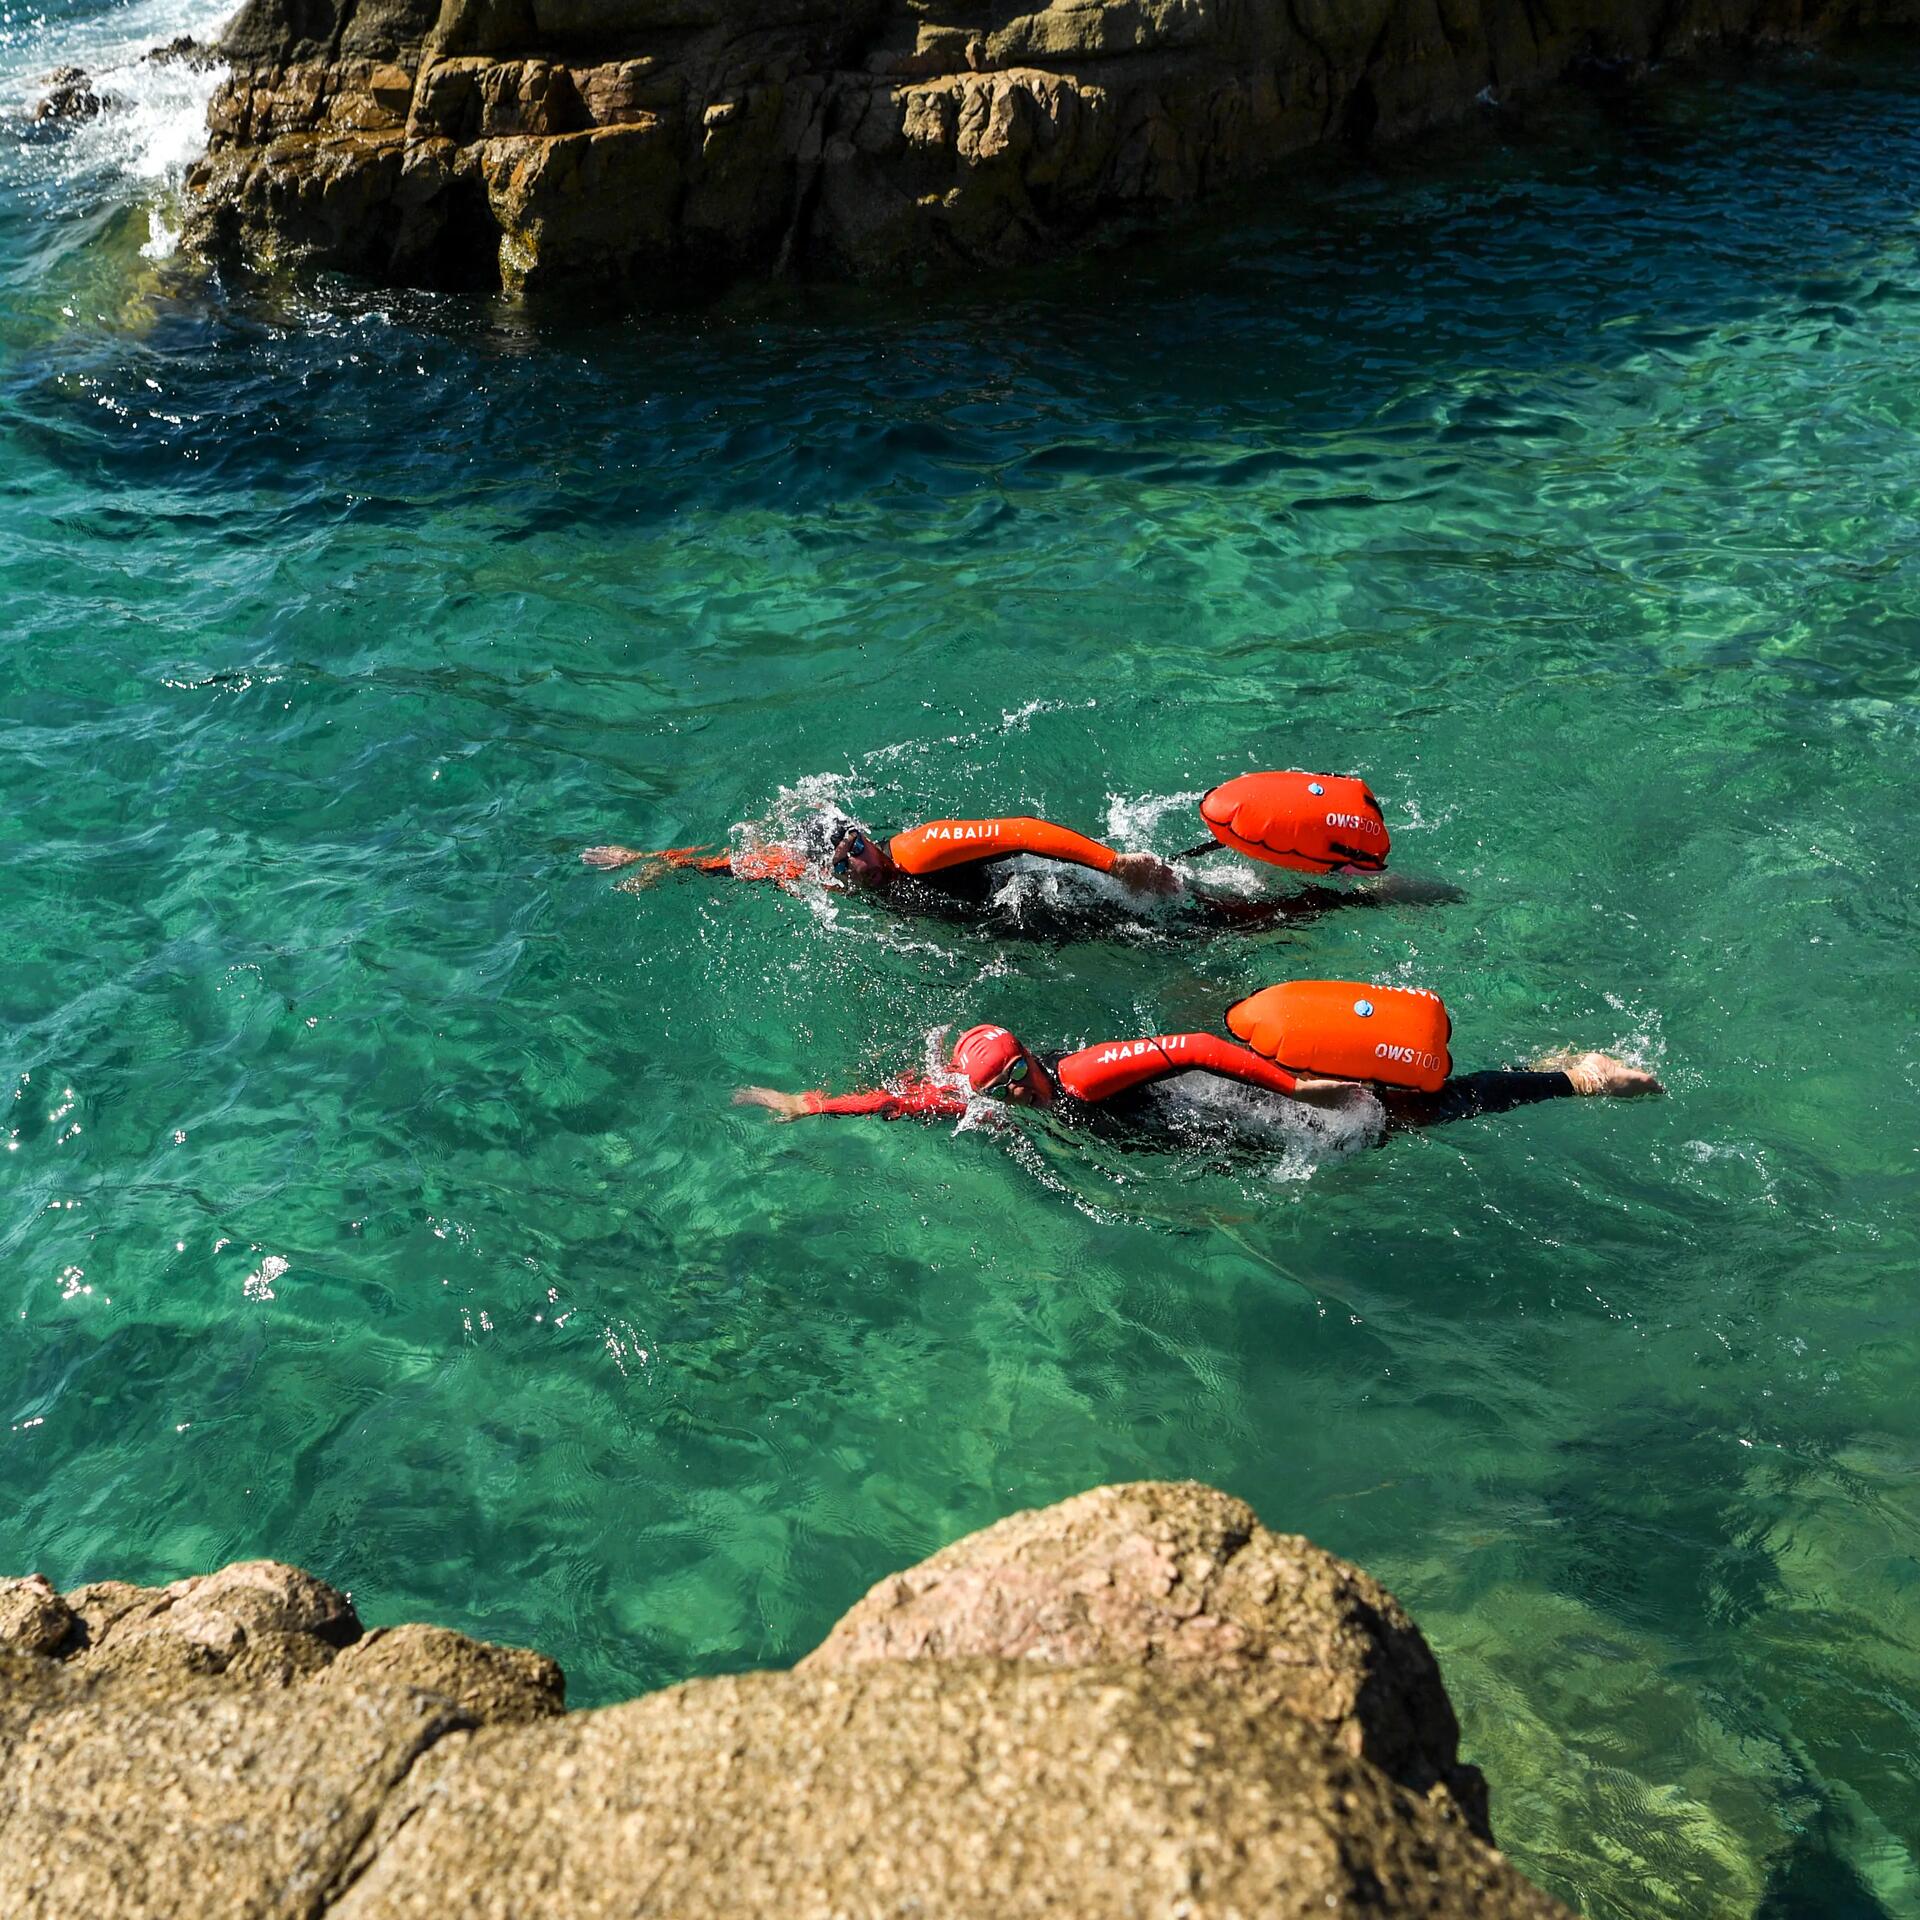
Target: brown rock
<point>870,137</point>
<point>492,1685</point>
<point>183,50</point>
<point>33,1618</point>
<point>70,95</point>
<point>122,1799</point>
<point>255,1623</point>
<point>1136,1702</point>
<point>224,1610</point>
<point>1166,1573</point>
<point>101,1605</point>
<point>961,1788</point>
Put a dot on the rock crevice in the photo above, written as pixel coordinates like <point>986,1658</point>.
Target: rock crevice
<point>532,143</point>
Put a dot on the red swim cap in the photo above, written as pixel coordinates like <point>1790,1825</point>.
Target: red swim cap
<point>981,1054</point>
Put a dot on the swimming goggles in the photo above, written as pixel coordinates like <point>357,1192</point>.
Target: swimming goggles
<point>1015,1075</point>
<point>856,846</point>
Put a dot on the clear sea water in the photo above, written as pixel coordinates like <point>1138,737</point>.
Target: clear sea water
<point>371,1194</point>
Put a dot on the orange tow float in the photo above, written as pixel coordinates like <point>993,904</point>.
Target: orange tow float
<point>1311,822</point>
<point>1346,1030</point>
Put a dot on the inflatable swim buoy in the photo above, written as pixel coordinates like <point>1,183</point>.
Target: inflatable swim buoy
<point>1344,1030</point>
<point>937,844</point>
<point>1312,822</point>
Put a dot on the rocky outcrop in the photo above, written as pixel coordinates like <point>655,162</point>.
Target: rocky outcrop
<point>258,1624</point>
<point>1138,1702</point>
<point>1183,1576</point>
<point>532,143</point>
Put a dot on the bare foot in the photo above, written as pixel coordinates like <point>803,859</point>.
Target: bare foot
<point>1600,1074</point>
<point>606,859</point>
<point>783,1106</point>
<point>1145,873</point>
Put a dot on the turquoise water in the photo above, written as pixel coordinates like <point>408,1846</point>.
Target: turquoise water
<point>373,1199</point>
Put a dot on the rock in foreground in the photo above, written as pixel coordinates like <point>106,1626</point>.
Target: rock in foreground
<point>531,143</point>
<point>1115,1736</point>
<point>1180,1575</point>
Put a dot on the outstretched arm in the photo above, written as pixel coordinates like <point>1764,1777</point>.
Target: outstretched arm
<point>912,1099</point>
<point>1561,1077</point>
<point>937,844</point>
<point>1308,903</point>
<point>698,859</point>
<point>750,862</point>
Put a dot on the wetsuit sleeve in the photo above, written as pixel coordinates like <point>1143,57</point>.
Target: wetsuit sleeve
<point>937,845</point>
<point>1118,1066</point>
<point>912,1099</point>
<point>1048,842</point>
<point>1469,1095</point>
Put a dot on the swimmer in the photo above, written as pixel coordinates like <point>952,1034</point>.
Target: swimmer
<point>1315,1024</point>
<point>1006,1069</point>
<point>1318,823</point>
<point>867,863</point>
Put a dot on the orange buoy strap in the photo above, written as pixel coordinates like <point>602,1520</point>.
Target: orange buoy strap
<point>938,844</point>
<point>1115,1066</point>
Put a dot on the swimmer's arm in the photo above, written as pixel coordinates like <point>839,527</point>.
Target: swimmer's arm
<point>912,1099</point>
<point>1139,872</point>
<point>1466,1096</point>
<point>696,859</point>
<point>1308,903</point>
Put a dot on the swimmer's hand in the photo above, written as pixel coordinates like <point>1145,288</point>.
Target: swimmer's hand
<point>1600,1075</point>
<point>783,1106</point>
<point>610,859</point>
<point>1144,873</point>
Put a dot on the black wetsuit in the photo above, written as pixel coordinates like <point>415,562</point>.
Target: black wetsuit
<point>1135,1113</point>
<point>967,895</point>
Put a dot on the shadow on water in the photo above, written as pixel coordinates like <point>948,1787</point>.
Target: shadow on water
<point>1582,230</point>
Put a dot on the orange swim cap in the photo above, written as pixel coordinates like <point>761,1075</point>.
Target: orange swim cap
<point>982,1054</point>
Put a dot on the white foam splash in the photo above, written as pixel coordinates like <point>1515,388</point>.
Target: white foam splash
<point>258,1285</point>
<point>153,121</point>
<point>1296,1137</point>
<point>1134,820</point>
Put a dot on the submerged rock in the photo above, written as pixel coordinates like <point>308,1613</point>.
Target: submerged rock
<point>539,143</point>
<point>1139,1701</point>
